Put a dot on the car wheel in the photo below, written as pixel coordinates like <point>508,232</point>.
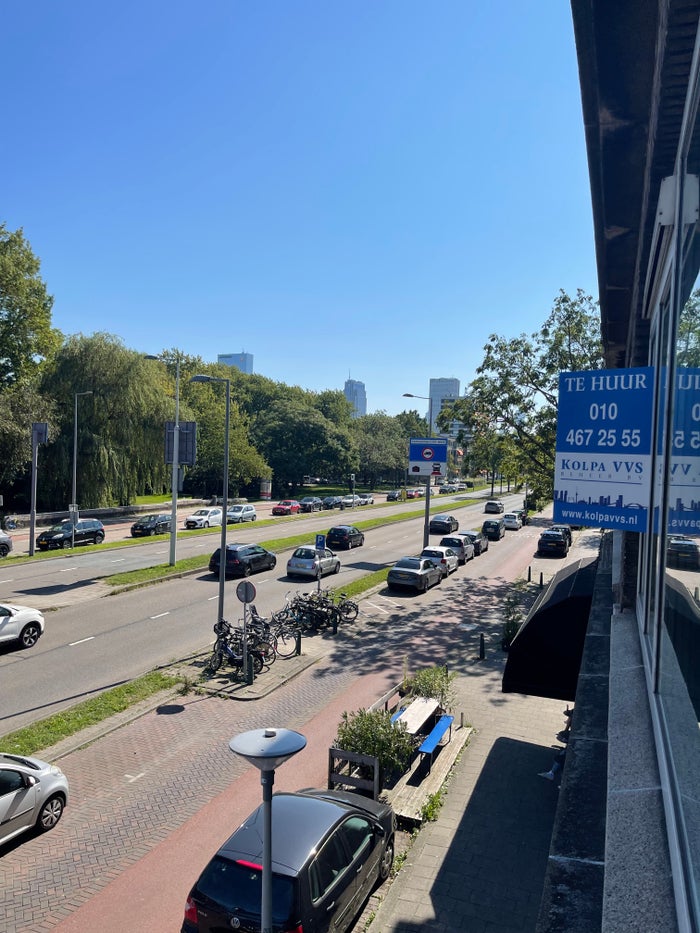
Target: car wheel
<point>4,550</point>
<point>273,563</point>
<point>50,814</point>
<point>424,587</point>
<point>30,635</point>
<point>337,568</point>
<point>387,860</point>
<point>362,540</point>
<point>151,533</point>
<point>254,518</point>
<point>206,525</point>
<point>246,570</point>
<point>99,538</point>
<point>66,543</point>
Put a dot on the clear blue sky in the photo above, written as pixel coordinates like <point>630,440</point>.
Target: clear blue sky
<point>364,188</point>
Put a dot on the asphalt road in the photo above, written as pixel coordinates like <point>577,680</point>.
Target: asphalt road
<point>96,644</point>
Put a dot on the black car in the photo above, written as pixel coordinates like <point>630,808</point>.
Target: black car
<point>416,573</point>
<point>565,530</point>
<point>344,536</point>
<point>494,529</point>
<point>151,525</point>
<point>332,502</point>
<point>394,495</point>
<point>682,551</point>
<point>478,539</point>
<point>329,850</point>
<point>443,524</point>
<point>553,542</point>
<point>243,559</point>
<point>310,504</point>
<point>87,531</point>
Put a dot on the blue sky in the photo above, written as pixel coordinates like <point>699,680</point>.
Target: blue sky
<point>365,189</point>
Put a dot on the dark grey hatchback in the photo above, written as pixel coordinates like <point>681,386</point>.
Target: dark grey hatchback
<point>329,849</point>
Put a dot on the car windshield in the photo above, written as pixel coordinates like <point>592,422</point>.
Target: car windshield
<point>62,526</point>
<point>409,563</point>
<point>202,512</point>
<point>237,887</point>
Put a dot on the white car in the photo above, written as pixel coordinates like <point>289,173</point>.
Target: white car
<point>443,557</point>
<point>241,513</point>
<point>22,624</point>
<point>366,498</point>
<point>350,501</point>
<point>512,521</point>
<point>205,518</point>
<point>33,793</point>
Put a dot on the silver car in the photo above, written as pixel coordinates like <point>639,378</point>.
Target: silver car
<point>33,793</point>
<point>308,561</point>
<point>21,624</point>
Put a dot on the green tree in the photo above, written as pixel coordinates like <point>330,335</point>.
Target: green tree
<point>26,335</point>
<point>515,392</point>
<point>688,340</point>
<point>381,446</point>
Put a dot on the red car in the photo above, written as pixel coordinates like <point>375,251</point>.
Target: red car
<point>286,507</point>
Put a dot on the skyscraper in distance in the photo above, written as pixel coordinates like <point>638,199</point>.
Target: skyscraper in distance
<point>355,393</point>
<point>242,361</point>
<point>442,392</point>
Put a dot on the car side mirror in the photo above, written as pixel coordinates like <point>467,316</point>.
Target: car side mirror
<point>30,780</point>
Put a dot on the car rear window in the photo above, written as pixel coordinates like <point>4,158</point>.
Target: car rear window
<point>452,542</point>
<point>305,553</point>
<point>237,887</point>
<point>412,563</point>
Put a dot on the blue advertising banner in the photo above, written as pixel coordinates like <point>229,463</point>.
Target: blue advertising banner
<point>427,456</point>
<point>602,473</point>
<point>684,498</point>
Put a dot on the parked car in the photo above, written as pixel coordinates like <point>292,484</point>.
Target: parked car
<point>512,521</point>
<point>33,794</point>
<point>443,557</point>
<point>446,489</point>
<point>553,542</point>
<point>151,525</point>
<point>524,517</point>
<point>478,539</point>
<point>344,536</point>
<point>243,559</point>
<point>494,528</point>
<point>443,524</point>
<point>332,502</point>
<point>394,495</point>
<point>565,530</point>
<point>308,561</point>
<point>461,545</point>
<point>351,501</point>
<point>416,573</point>
<point>20,624</point>
<point>415,492</point>
<point>5,544</point>
<point>205,518</point>
<point>366,498</point>
<point>329,850</point>
<point>310,504</point>
<point>494,506</point>
<point>87,531</point>
<point>241,513</point>
<point>682,551</point>
<point>286,507</point>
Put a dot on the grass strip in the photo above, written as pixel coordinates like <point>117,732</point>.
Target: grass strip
<point>44,734</point>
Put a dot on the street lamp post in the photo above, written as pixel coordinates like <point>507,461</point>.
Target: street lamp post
<point>74,488</point>
<point>267,749</point>
<point>222,551</point>
<point>426,523</point>
<point>176,460</point>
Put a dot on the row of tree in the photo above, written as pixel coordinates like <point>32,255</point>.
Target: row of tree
<point>277,431</point>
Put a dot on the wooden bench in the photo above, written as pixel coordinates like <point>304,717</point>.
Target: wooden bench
<point>431,742</point>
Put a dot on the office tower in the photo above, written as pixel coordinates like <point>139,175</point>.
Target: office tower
<point>355,393</point>
<point>443,392</point>
<point>242,361</point>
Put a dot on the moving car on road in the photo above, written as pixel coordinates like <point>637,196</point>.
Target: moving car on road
<point>308,561</point>
<point>21,624</point>
<point>243,559</point>
<point>443,524</point>
<point>205,518</point>
<point>33,794</point>
<point>344,536</point>
<point>151,525</point>
<point>417,573</point>
<point>329,850</point>
<point>494,506</point>
<point>87,531</point>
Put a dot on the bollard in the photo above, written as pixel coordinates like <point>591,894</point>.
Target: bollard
<point>461,720</point>
<point>249,675</point>
<point>298,647</point>
<point>697,594</point>
<point>541,579</point>
<point>529,574</point>
<point>335,623</point>
<point>482,647</point>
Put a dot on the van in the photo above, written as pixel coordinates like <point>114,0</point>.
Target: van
<point>494,528</point>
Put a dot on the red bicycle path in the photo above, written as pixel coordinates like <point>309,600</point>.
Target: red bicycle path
<point>149,896</point>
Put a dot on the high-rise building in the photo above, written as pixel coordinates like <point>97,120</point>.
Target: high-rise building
<point>443,392</point>
<point>242,361</point>
<point>355,393</point>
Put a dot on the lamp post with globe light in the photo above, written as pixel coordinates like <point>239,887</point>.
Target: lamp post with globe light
<point>267,749</point>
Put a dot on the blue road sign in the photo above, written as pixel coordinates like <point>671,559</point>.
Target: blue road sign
<point>320,542</point>
<point>427,456</point>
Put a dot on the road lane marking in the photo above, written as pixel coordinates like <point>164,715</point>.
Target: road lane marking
<point>134,777</point>
<point>160,615</point>
<point>380,608</point>
<point>210,598</point>
<point>72,643</point>
<point>9,580</point>
<point>66,569</point>
<point>119,560</point>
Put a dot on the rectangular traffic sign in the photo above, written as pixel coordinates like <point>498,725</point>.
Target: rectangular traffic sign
<point>427,456</point>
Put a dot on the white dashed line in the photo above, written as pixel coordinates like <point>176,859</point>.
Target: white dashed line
<point>82,640</point>
<point>160,615</point>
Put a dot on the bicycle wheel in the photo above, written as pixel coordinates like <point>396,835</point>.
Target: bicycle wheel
<point>286,637</point>
<point>348,610</point>
<point>268,649</point>
<point>257,662</point>
<point>214,662</point>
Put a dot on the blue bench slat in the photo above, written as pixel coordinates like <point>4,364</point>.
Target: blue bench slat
<point>439,729</point>
<point>398,712</point>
